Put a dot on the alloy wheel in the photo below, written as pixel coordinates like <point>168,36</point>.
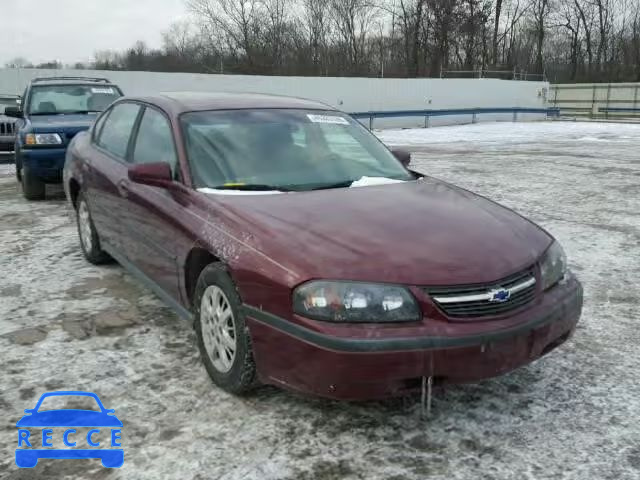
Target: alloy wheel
<point>218,328</point>
<point>84,224</point>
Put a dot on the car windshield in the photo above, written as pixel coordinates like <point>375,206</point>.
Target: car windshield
<point>69,402</point>
<point>61,99</point>
<point>278,149</point>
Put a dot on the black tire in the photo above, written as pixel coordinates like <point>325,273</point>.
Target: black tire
<point>18,162</point>
<point>241,378</point>
<point>93,253</point>
<point>32,187</point>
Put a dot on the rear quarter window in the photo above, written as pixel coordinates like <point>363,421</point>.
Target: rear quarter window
<point>97,128</point>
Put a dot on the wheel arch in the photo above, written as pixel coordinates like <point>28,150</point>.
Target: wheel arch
<point>196,261</point>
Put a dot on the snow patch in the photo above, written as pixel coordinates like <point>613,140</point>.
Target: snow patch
<point>370,181</point>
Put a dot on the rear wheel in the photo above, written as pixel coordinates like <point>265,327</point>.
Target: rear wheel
<point>222,335</point>
<point>89,240</point>
<point>32,187</point>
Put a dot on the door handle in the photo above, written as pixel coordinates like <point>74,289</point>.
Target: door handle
<point>123,188</point>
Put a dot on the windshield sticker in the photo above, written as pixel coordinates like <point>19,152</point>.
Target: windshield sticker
<point>108,91</point>
<point>328,119</point>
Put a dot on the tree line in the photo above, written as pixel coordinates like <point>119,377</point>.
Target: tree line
<point>565,40</point>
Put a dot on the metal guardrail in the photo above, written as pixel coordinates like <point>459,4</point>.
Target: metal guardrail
<point>619,110</point>
<point>499,74</point>
<point>474,112</point>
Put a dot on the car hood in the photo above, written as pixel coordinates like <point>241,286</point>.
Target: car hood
<point>72,123</point>
<point>69,418</point>
<point>423,232</point>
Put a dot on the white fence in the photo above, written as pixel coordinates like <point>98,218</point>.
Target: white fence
<point>347,94</point>
<point>597,100</point>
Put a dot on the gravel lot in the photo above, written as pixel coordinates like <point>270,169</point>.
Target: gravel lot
<point>574,414</point>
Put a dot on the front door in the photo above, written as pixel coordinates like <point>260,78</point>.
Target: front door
<point>151,229</point>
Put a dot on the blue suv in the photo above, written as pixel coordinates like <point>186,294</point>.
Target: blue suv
<point>53,110</point>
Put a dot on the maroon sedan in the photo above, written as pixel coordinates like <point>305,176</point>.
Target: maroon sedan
<point>308,255</point>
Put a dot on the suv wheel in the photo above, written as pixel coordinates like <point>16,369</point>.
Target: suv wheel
<point>223,337</point>
<point>18,163</point>
<point>32,187</point>
<point>89,240</point>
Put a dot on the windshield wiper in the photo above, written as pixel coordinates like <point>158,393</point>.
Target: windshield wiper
<point>253,187</point>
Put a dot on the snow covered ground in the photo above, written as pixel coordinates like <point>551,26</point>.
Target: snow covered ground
<point>574,414</point>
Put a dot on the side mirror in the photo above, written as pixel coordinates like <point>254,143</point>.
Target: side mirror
<point>156,174</point>
<point>13,112</point>
<point>29,410</point>
<point>403,156</point>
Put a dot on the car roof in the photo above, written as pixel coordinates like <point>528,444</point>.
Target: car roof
<point>97,82</point>
<point>181,102</point>
<point>72,82</point>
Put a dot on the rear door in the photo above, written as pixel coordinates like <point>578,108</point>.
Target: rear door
<point>152,225</point>
<point>108,171</point>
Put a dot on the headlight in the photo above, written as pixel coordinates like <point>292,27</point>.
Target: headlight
<point>43,139</point>
<point>553,265</point>
<point>355,302</point>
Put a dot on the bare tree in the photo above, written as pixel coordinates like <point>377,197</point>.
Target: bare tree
<point>496,26</point>
<point>239,22</point>
<point>587,23</point>
<point>317,31</point>
<point>410,17</point>
<point>352,20</point>
<point>540,10</point>
<point>586,40</point>
<point>18,62</point>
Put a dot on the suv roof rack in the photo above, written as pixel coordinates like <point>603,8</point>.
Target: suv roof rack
<point>86,79</point>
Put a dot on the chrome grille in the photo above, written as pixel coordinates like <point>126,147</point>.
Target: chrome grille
<point>7,128</point>
<point>477,300</point>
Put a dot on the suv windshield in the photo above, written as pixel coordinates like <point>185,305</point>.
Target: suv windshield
<point>283,150</point>
<point>60,99</point>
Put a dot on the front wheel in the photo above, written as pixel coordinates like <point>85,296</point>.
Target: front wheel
<point>18,162</point>
<point>89,240</point>
<point>223,337</point>
<point>32,187</point>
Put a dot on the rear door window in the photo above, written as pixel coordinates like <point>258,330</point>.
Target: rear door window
<point>117,129</point>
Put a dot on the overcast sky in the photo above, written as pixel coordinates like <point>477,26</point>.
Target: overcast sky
<point>72,30</point>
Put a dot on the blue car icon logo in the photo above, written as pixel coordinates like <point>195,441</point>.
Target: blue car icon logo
<point>29,440</point>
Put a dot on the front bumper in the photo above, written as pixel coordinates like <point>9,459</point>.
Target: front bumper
<point>44,163</point>
<point>350,368</point>
<point>7,143</point>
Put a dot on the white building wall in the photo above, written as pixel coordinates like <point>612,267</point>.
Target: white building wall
<point>348,94</point>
